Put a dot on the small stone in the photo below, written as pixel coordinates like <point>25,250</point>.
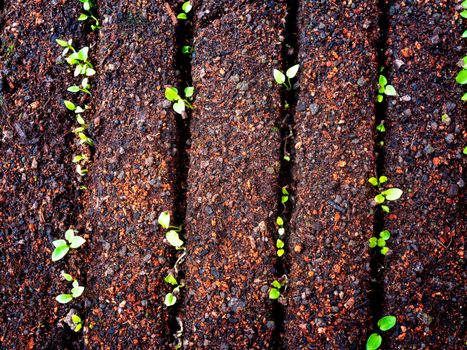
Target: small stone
<point>301,107</point>
<point>361,82</point>
<point>428,149</point>
<point>243,86</point>
<point>314,108</point>
<point>449,138</point>
<point>149,161</point>
<point>298,248</point>
<point>34,163</point>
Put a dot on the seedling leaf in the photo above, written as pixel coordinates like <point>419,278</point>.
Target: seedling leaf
<point>69,105</point>
<point>179,106</point>
<point>385,234</point>
<point>392,194</point>
<point>379,199</point>
<point>76,242</point>
<point>189,91</point>
<point>389,90</point>
<point>164,219</point>
<point>62,43</point>
<point>186,7</point>
<point>60,252</point>
<point>373,241</point>
<point>374,342</point>
<point>59,242</point>
<point>64,298</point>
<point>173,239</point>
<point>462,76</point>
<point>373,180</point>
<point>76,292</point>
<point>279,77</point>
<point>384,250</point>
<point>171,279</point>
<point>382,81</point>
<point>280,243</point>
<point>292,71</point>
<point>170,299</point>
<point>276,284</point>
<point>279,221</point>
<point>182,16</point>
<point>67,276</point>
<point>387,322</point>
<point>274,294</point>
<point>76,319</point>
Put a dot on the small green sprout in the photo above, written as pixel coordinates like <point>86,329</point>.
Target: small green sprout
<point>173,238</point>
<point>62,246</point>
<point>463,13</point>
<point>187,50</point>
<point>381,128</point>
<point>285,195</point>
<point>287,158</point>
<point>377,182</point>
<point>84,87</point>
<point>390,194</point>
<point>276,287</point>
<point>374,340</point>
<point>186,8</point>
<point>89,10</point>
<point>67,46</point>
<point>282,79</point>
<point>465,150</point>
<point>384,88</point>
<point>75,292</point>
<point>78,323</point>
<point>172,95</point>
<point>381,241</point>
<point>461,77</point>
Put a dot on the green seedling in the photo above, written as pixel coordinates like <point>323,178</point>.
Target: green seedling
<point>284,79</point>
<point>380,128</point>
<point>377,182</point>
<point>77,58</point>
<point>390,194</point>
<point>285,195</point>
<point>62,246</point>
<point>173,238</point>
<point>461,77</point>
<point>67,46</point>
<point>281,231</point>
<point>75,292</point>
<point>172,95</point>
<point>384,89</point>
<point>374,340</point>
<point>465,150</point>
<point>187,50</point>
<point>78,323</point>
<point>381,241</point>
<point>276,287</point>
<point>464,12</point>
<point>186,8</point>
<point>287,158</point>
<point>84,87</point>
<point>89,13</point>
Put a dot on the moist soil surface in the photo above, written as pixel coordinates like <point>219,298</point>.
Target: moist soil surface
<point>219,169</point>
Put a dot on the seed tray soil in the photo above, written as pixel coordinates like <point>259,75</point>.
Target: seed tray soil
<point>327,298</point>
<point>39,199</point>
<point>424,277</point>
<point>140,165</point>
<point>234,164</point>
<point>133,178</point>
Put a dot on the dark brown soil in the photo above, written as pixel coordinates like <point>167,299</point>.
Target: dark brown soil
<point>133,179</point>
<point>332,221</point>
<point>234,164</point>
<point>424,276</point>
<point>219,172</point>
<point>38,187</point>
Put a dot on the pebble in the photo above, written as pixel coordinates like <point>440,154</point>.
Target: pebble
<point>361,82</point>
<point>243,86</point>
<point>314,108</point>
<point>449,138</point>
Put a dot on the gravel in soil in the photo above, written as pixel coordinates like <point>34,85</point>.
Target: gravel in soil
<point>327,297</point>
<point>39,199</point>
<point>424,277</point>
<point>133,178</point>
<point>234,165</point>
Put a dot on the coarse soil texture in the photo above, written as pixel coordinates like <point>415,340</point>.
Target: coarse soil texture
<point>220,169</point>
